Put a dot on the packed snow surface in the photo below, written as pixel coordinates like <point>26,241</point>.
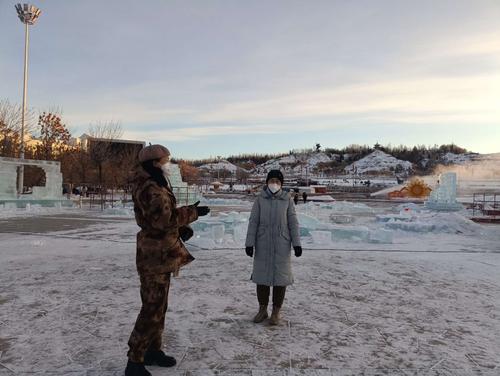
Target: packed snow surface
<point>367,299</point>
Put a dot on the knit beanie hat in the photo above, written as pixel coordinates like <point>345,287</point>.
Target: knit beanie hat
<point>275,174</point>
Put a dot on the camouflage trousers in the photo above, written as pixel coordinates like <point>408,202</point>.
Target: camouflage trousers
<point>148,329</point>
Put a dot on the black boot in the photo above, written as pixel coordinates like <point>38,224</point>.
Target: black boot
<point>136,369</point>
<point>158,358</point>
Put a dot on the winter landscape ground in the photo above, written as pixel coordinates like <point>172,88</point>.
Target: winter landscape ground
<point>411,302</point>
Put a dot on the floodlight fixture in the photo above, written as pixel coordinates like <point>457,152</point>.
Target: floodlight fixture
<point>27,13</point>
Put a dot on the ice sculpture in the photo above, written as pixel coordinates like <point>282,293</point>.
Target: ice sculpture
<point>218,232</point>
<point>240,232</point>
<point>381,236</point>
<point>185,194</point>
<point>358,233</point>
<point>8,177</point>
<point>321,237</point>
<point>444,196</point>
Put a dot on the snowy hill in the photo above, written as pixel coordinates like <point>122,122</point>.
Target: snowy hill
<point>222,165</point>
<point>379,162</point>
<point>293,163</point>
<point>452,158</point>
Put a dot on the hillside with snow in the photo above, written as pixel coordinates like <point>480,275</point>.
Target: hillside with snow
<point>361,161</point>
<point>221,165</point>
<point>460,159</point>
<point>293,163</point>
<point>379,162</point>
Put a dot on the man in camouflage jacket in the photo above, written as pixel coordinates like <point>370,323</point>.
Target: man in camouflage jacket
<point>160,252</point>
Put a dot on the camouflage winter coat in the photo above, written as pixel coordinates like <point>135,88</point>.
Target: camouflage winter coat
<point>159,249</point>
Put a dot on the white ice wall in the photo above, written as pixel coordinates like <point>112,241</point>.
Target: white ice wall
<point>8,178</point>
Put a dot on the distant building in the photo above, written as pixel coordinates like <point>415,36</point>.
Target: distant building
<point>31,142</point>
<point>116,147</point>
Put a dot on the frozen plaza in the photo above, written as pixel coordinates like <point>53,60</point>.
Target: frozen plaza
<point>380,290</point>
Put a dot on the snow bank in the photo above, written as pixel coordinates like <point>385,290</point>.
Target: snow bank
<point>10,210</point>
<point>126,212</point>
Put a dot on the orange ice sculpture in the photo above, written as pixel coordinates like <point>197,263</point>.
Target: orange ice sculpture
<point>416,188</point>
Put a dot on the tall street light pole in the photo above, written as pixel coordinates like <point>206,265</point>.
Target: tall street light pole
<point>28,14</point>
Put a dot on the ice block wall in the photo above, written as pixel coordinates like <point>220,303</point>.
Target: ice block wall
<point>8,178</point>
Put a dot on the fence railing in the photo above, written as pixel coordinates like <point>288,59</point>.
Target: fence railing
<point>113,198</point>
<point>486,205</point>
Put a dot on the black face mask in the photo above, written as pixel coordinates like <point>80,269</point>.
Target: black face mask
<point>155,173</point>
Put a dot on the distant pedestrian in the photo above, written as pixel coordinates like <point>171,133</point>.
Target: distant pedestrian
<point>296,198</point>
<point>272,230</point>
<point>304,196</point>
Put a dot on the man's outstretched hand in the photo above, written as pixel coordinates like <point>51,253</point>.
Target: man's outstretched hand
<point>201,210</point>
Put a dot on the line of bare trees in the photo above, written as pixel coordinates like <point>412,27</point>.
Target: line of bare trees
<point>98,164</point>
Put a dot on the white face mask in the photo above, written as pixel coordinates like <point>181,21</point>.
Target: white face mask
<point>273,187</point>
<point>166,168</point>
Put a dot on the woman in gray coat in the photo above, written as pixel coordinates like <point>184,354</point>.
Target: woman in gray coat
<point>272,231</point>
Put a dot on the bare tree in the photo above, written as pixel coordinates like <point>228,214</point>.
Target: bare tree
<point>99,149</point>
<point>110,130</point>
<point>119,167</point>
<point>76,166</point>
<point>10,127</point>
<point>242,175</point>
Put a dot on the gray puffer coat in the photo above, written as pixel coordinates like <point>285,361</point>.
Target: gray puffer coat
<point>272,230</point>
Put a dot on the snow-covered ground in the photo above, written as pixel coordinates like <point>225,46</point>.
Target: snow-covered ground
<point>425,303</point>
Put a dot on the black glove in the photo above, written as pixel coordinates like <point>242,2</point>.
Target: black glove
<point>249,251</point>
<point>186,233</point>
<point>201,210</point>
<point>298,251</point>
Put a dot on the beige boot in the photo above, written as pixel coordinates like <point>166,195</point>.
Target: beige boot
<point>275,316</point>
<point>261,315</point>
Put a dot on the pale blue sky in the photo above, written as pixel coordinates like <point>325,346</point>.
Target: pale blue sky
<point>210,78</point>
